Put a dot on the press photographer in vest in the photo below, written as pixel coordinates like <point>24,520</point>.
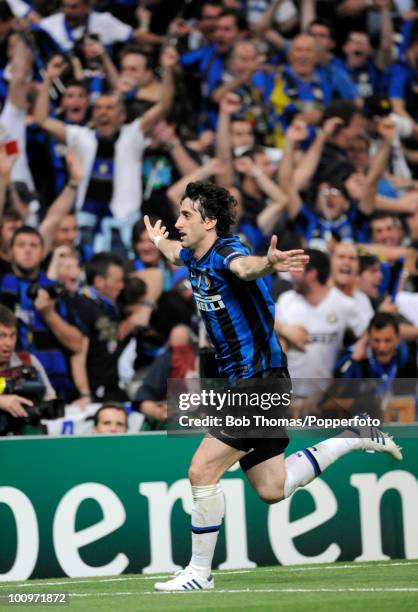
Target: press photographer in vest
<point>10,364</point>
<point>48,325</point>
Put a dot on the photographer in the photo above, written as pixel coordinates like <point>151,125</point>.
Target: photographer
<point>11,362</point>
<point>48,326</point>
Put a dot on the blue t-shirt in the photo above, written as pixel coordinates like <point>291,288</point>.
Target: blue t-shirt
<point>238,315</point>
<point>339,80</point>
<point>367,78</point>
<point>403,84</point>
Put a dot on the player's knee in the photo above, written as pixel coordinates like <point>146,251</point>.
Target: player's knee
<point>200,474</point>
<point>271,494</point>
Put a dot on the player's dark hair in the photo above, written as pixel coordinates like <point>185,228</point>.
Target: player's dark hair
<point>322,21</point>
<point>134,290</point>
<point>382,214</point>
<point>344,109</point>
<point>115,406</point>
<point>99,265</point>
<point>384,319</point>
<point>151,59</point>
<point>319,261</point>
<point>7,317</point>
<point>366,262</point>
<point>239,17</point>
<point>26,229</point>
<point>217,3</point>
<point>214,203</point>
<point>139,228</point>
<point>114,94</point>
<point>10,215</point>
<point>76,83</point>
<point>356,31</point>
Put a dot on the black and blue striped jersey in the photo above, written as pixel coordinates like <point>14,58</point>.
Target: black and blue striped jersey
<point>238,315</point>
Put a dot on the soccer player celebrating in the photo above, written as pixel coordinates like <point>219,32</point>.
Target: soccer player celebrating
<point>238,313</point>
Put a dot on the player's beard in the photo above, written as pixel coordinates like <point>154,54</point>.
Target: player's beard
<point>301,286</point>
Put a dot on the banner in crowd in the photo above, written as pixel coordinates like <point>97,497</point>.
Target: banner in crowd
<point>105,505</point>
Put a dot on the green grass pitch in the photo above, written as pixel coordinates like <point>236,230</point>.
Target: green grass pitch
<point>356,587</point>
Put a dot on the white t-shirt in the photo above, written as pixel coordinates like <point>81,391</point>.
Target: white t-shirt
<point>129,147</point>
<point>407,303</point>
<point>364,307</point>
<point>109,29</point>
<point>13,127</point>
<point>256,9</point>
<point>326,324</point>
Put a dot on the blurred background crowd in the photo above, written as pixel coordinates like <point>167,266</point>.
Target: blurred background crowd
<point>307,111</point>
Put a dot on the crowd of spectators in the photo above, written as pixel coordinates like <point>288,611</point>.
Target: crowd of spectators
<point>305,110</point>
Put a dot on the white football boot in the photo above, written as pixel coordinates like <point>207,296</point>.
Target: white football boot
<point>373,440</point>
<point>186,580</point>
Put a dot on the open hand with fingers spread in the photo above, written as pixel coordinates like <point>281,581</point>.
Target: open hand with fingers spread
<point>286,261</point>
<point>157,232</point>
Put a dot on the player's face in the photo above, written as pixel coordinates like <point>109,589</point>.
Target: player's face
<point>303,55</point>
<point>383,343</point>
<point>67,232</point>
<point>209,19</point>
<point>244,58</point>
<point>75,11</point>
<point>384,231</point>
<point>147,251</point>
<point>266,166</point>
<point>8,336</point>
<point>111,420</point>
<point>27,252</point>
<point>331,203</point>
<point>358,152</point>
<point>357,49</point>
<point>133,68</point>
<point>226,33</point>
<point>370,280</point>
<point>344,265</point>
<point>75,103</point>
<point>322,36</point>
<point>107,115</point>
<point>190,224</point>
<point>242,134</point>
<point>69,273</point>
<point>112,284</point>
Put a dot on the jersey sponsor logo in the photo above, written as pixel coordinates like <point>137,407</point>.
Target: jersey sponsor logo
<point>209,303</point>
<point>332,317</point>
<point>323,338</point>
<point>203,281</point>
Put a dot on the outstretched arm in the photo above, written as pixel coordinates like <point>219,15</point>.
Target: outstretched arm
<point>22,61</point>
<point>252,267</point>
<point>228,105</point>
<point>367,202</point>
<point>63,203</point>
<point>55,127</point>
<point>151,117</point>
<point>159,236</point>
